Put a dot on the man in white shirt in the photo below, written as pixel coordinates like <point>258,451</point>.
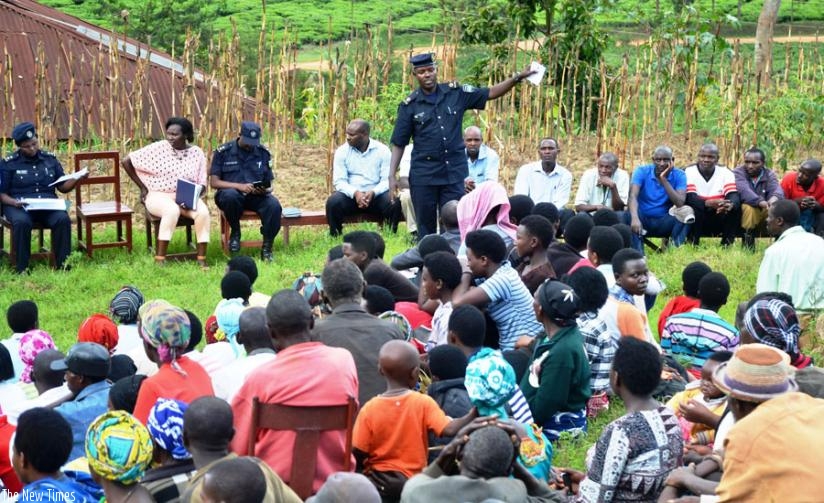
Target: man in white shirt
<point>713,196</point>
<point>483,162</point>
<point>254,335</point>
<point>794,264</point>
<point>545,181</point>
<point>360,175</point>
<point>605,186</point>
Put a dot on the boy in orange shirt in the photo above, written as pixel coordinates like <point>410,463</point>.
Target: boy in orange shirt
<point>390,439</point>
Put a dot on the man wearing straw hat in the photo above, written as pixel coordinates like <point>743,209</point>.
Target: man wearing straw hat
<point>775,449</point>
<point>432,116</point>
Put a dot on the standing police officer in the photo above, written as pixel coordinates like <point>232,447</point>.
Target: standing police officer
<point>27,173</point>
<point>432,116</point>
<point>242,173</point>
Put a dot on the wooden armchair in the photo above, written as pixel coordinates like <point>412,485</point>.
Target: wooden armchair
<point>307,423</point>
<point>103,203</point>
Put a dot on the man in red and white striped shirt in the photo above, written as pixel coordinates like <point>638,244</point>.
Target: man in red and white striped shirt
<point>712,194</point>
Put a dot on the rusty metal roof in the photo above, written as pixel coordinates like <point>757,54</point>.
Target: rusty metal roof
<point>44,54</point>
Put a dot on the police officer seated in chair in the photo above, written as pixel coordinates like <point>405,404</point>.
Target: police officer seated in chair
<point>242,174</point>
<point>28,173</point>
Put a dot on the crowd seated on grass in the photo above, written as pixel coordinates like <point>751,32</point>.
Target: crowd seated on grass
<point>476,373</point>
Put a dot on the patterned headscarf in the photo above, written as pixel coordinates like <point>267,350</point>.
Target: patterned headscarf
<point>166,426</point>
<point>166,328</point>
<point>773,322</point>
<point>100,329</point>
<point>125,304</point>
<point>227,314</point>
<point>490,382</point>
<point>118,447</point>
<point>31,344</point>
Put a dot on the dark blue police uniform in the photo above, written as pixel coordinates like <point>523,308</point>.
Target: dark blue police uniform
<point>231,163</point>
<point>439,166</point>
<point>29,177</point>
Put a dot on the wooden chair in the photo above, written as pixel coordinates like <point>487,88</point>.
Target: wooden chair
<point>225,231</point>
<point>90,213</point>
<point>307,423</point>
<point>153,229</point>
<point>42,252</point>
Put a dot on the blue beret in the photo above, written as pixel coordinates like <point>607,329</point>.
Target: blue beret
<point>422,60</point>
<point>22,132</point>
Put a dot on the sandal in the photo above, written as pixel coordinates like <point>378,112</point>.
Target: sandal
<point>201,261</point>
<point>160,260</point>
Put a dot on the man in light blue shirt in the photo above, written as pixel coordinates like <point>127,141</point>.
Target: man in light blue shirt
<point>360,174</point>
<point>483,162</point>
<point>87,365</point>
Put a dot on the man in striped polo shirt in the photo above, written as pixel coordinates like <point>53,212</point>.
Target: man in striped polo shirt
<point>713,196</point>
<point>693,336</point>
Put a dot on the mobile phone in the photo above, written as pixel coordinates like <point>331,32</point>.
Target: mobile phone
<point>567,478</point>
<point>260,184</point>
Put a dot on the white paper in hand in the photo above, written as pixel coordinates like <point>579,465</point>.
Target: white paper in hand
<point>536,78</point>
<point>73,176</point>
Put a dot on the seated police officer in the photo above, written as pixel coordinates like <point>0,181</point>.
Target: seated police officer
<point>27,173</point>
<point>242,173</point>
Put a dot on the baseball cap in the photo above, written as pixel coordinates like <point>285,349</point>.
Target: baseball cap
<point>250,132</point>
<point>85,358</point>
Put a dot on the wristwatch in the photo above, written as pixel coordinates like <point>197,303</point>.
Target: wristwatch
<point>517,77</point>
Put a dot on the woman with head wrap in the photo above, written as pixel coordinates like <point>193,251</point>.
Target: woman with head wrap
<point>556,384</point>
<point>31,344</point>
<point>490,383</point>
<point>123,310</point>
<point>774,322</point>
<point>99,329</point>
<point>174,466</point>
<point>486,207</point>
<point>225,349</point>
<point>166,330</point>
<point>119,450</point>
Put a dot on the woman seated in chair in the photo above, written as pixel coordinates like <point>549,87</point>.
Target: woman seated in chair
<point>156,168</point>
<point>28,174</point>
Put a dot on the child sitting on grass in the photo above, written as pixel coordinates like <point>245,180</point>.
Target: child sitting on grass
<point>441,275</point>
<point>501,290</point>
<point>690,277</point>
<point>700,406</point>
<point>390,439</point>
<point>534,235</point>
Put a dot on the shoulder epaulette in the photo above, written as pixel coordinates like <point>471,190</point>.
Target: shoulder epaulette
<point>454,84</point>
<point>409,98</point>
<point>263,147</point>
<point>47,153</point>
<point>226,146</point>
<point>12,156</point>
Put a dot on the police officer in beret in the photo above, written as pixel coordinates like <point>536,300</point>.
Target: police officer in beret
<point>27,173</point>
<point>242,174</point>
<point>432,116</point>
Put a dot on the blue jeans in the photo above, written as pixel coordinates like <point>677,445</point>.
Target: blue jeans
<point>665,226</point>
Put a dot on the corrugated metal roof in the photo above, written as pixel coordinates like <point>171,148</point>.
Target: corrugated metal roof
<point>103,82</point>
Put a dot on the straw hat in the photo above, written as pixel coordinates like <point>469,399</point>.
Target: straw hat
<point>756,373</point>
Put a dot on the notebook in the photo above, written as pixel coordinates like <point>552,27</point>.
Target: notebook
<point>188,194</point>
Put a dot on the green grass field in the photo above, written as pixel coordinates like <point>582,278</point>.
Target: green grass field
<point>67,298</point>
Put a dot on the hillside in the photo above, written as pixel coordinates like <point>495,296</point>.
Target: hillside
<point>314,21</point>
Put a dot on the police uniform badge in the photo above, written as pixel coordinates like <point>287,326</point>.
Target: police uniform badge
<point>467,88</point>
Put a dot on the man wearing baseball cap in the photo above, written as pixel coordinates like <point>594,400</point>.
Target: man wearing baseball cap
<point>242,174</point>
<point>86,365</point>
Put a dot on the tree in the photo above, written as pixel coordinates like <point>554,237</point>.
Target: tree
<point>763,41</point>
<point>163,23</point>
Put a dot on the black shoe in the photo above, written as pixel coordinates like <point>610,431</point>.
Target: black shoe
<point>266,253</point>
<point>748,241</point>
<point>234,242</point>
